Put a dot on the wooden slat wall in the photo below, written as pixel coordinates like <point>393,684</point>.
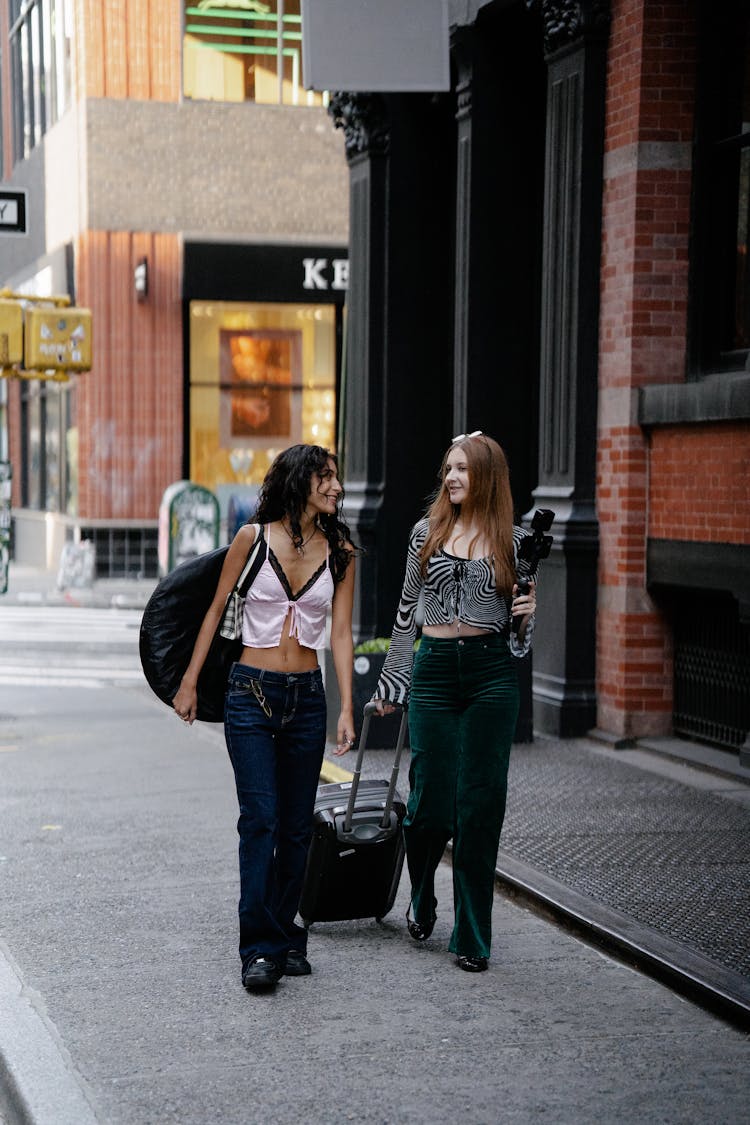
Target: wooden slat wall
<point>130,403</point>
<point>129,49</point>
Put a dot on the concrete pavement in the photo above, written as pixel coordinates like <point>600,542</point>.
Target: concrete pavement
<point>646,856</point>
<point>118,936</point>
<point>119,982</point>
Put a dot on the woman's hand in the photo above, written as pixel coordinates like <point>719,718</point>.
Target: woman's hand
<point>344,733</point>
<point>383,707</point>
<point>185,702</point>
<point>523,605</point>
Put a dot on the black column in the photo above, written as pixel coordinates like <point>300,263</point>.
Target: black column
<point>462,54</point>
<point>363,119</point>
<point>564,663</point>
<point>397,397</point>
<point>500,78</point>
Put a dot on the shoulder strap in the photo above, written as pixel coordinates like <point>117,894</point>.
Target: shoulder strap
<point>253,564</point>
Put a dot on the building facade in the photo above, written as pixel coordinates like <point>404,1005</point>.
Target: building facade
<point>184,186</point>
<point>556,252</point>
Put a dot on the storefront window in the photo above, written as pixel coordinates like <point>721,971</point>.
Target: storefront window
<point>248,52</point>
<point>52,459</point>
<point>32,425</point>
<point>44,468</point>
<point>262,377</point>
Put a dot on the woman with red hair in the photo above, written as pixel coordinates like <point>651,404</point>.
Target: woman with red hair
<point>461,687</point>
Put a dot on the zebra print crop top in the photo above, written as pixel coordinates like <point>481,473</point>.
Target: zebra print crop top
<point>453,588</point>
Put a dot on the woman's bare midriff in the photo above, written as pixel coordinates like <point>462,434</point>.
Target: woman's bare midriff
<point>455,629</point>
<point>288,656</point>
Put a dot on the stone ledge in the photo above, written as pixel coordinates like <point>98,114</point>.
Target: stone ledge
<point>718,398</point>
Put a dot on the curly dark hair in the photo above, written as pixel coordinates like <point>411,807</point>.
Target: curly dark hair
<point>284,493</point>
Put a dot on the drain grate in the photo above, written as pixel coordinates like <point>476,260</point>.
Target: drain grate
<point>670,857</point>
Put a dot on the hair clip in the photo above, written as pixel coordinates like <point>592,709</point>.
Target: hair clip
<point>461,437</point>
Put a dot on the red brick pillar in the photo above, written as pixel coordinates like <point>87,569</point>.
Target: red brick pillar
<point>645,230</point>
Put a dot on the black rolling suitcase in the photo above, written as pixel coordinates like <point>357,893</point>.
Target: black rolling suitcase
<point>357,848</point>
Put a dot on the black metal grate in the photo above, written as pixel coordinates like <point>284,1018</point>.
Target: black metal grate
<point>711,670</point>
<point>124,552</point>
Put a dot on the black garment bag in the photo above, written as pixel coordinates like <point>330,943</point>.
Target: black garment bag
<point>170,625</point>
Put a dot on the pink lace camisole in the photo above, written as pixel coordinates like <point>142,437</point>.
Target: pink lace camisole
<point>270,599</point>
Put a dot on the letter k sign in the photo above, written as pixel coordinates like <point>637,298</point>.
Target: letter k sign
<point>313,277</point>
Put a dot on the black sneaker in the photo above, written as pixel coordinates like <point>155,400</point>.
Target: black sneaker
<point>297,964</point>
<point>260,974</point>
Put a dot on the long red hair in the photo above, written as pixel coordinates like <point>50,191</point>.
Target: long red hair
<point>491,507</point>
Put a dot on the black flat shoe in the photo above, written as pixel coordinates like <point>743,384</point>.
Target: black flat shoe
<point>418,931</point>
<point>261,974</point>
<point>472,964</point>
<point>297,964</point>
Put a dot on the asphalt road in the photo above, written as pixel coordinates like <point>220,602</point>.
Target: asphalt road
<point>120,998</point>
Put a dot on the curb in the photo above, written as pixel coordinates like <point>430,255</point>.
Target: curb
<point>719,990</point>
<point>38,1081</point>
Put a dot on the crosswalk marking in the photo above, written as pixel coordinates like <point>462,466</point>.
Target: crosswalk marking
<point>60,625</point>
<point>51,682</point>
<point>88,648</point>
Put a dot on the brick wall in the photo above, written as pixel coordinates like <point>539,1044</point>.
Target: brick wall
<point>646,215</point>
<point>699,483</point>
<point>130,404</point>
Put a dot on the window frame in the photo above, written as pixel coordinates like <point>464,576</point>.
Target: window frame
<point>40,78</point>
<point>717,154</point>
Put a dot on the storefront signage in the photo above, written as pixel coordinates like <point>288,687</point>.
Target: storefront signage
<point>319,273</point>
<point>306,274</point>
<point>12,212</point>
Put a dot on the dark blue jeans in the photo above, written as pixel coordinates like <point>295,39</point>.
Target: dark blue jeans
<point>462,716</point>
<point>275,728</point>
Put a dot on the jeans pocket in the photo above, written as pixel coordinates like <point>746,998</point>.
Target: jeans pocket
<point>237,686</point>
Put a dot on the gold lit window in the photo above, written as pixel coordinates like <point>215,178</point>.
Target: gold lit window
<point>262,377</point>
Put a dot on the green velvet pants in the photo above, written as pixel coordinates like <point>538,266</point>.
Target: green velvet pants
<point>462,716</point>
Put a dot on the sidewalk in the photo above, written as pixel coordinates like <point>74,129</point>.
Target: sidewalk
<point>29,585</point>
<point>120,1000</point>
<point>645,856</point>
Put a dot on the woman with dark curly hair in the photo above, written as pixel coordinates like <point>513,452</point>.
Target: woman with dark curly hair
<point>275,711</point>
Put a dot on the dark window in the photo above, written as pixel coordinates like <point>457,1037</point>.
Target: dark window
<point>720,268</point>
<point>40,35</point>
<point>45,437</point>
<point>711,670</point>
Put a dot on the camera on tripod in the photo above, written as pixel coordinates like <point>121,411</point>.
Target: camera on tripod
<point>531,550</point>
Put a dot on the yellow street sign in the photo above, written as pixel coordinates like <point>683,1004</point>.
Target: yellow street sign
<point>11,333</point>
<point>57,339</point>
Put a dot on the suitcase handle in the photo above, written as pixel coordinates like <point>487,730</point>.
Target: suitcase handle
<point>369,711</point>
